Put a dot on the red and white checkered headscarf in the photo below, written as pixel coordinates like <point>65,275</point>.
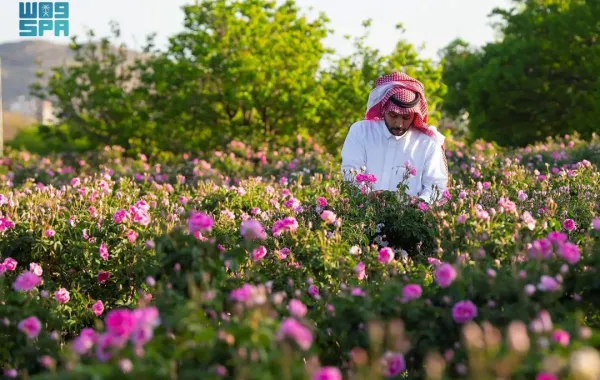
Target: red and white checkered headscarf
<point>405,89</point>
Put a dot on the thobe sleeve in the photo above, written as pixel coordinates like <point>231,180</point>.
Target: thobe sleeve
<point>435,173</point>
<point>354,153</point>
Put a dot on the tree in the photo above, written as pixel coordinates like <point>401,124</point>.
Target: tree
<point>540,80</point>
<point>240,69</point>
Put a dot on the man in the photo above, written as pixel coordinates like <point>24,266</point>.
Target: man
<point>394,139</point>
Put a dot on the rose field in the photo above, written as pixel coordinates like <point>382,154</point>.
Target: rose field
<point>267,264</point>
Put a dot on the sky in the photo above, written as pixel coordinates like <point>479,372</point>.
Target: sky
<point>433,23</point>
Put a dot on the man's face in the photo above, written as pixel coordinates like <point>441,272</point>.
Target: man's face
<point>398,124</point>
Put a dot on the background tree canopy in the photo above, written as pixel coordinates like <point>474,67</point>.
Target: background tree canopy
<point>259,72</point>
<point>541,79</point>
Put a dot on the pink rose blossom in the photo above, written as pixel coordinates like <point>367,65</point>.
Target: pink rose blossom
<point>98,308</point>
<point>561,337</point>
<point>386,255</point>
<point>26,281</point>
<point>322,202</point>
<point>103,276</point>
<point>411,292</point>
<point>259,253</point>
<point>569,225</point>
<point>103,250</point>
<point>36,269</point>
<point>294,330</point>
<point>200,222</point>
<point>596,224</point>
<point>548,284</point>
<point>10,264</point>
<point>541,249</point>
<point>360,270</point>
<point>313,291</point>
<point>289,224</point>
<point>546,376</point>
<point>327,373</point>
<point>252,229</point>
<point>445,274</point>
<point>570,252</point>
<point>62,296</point>
<point>328,217</point>
<point>464,311</point>
<point>120,323</point>
<point>393,364</point>
<point>283,253</point>
<point>297,308</point>
<point>30,326</point>
<point>49,233</point>
<point>557,237</point>
<point>132,236</point>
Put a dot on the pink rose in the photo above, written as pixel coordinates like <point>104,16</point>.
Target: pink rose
<point>545,376</point>
<point>445,274</point>
<point>10,264</point>
<point>386,255</point>
<point>393,364</point>
<point>26,281</point>
<point>411,292</point>
<point>322,202</point>
<point>200,222</point>
<point>569,225</point>
<point>464,311</point>
<point>328,217</point>
<point>259,253</point>
<point>327,373</point>
<point>98,308</point>
<point>30,326</point>
<point>62,295</point>
<point>103,276</point>
<point>36,269</point>
<point>297,308</point>
<point>252,229</point>
<point>313,291</point>
<point>561,337</point>
<point>360,270</point>
<point>103,250</point>
<point>570,252</point>
<point>294,330</point>
<point>596,224</point>
<point>120,323</point>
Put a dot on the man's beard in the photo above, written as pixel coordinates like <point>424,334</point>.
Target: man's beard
<point>396,131</point>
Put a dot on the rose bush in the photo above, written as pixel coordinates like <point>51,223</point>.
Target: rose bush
<point>258,264</point>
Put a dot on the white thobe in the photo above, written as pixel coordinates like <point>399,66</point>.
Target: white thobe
<point>370,144</point>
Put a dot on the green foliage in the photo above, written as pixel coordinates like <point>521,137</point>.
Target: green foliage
<point>540,80</point>
<point>250,69</point>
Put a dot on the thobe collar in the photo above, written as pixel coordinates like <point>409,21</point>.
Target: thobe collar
<point>388,135</point>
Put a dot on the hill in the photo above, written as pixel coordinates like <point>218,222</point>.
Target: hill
<point>19,66</point>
